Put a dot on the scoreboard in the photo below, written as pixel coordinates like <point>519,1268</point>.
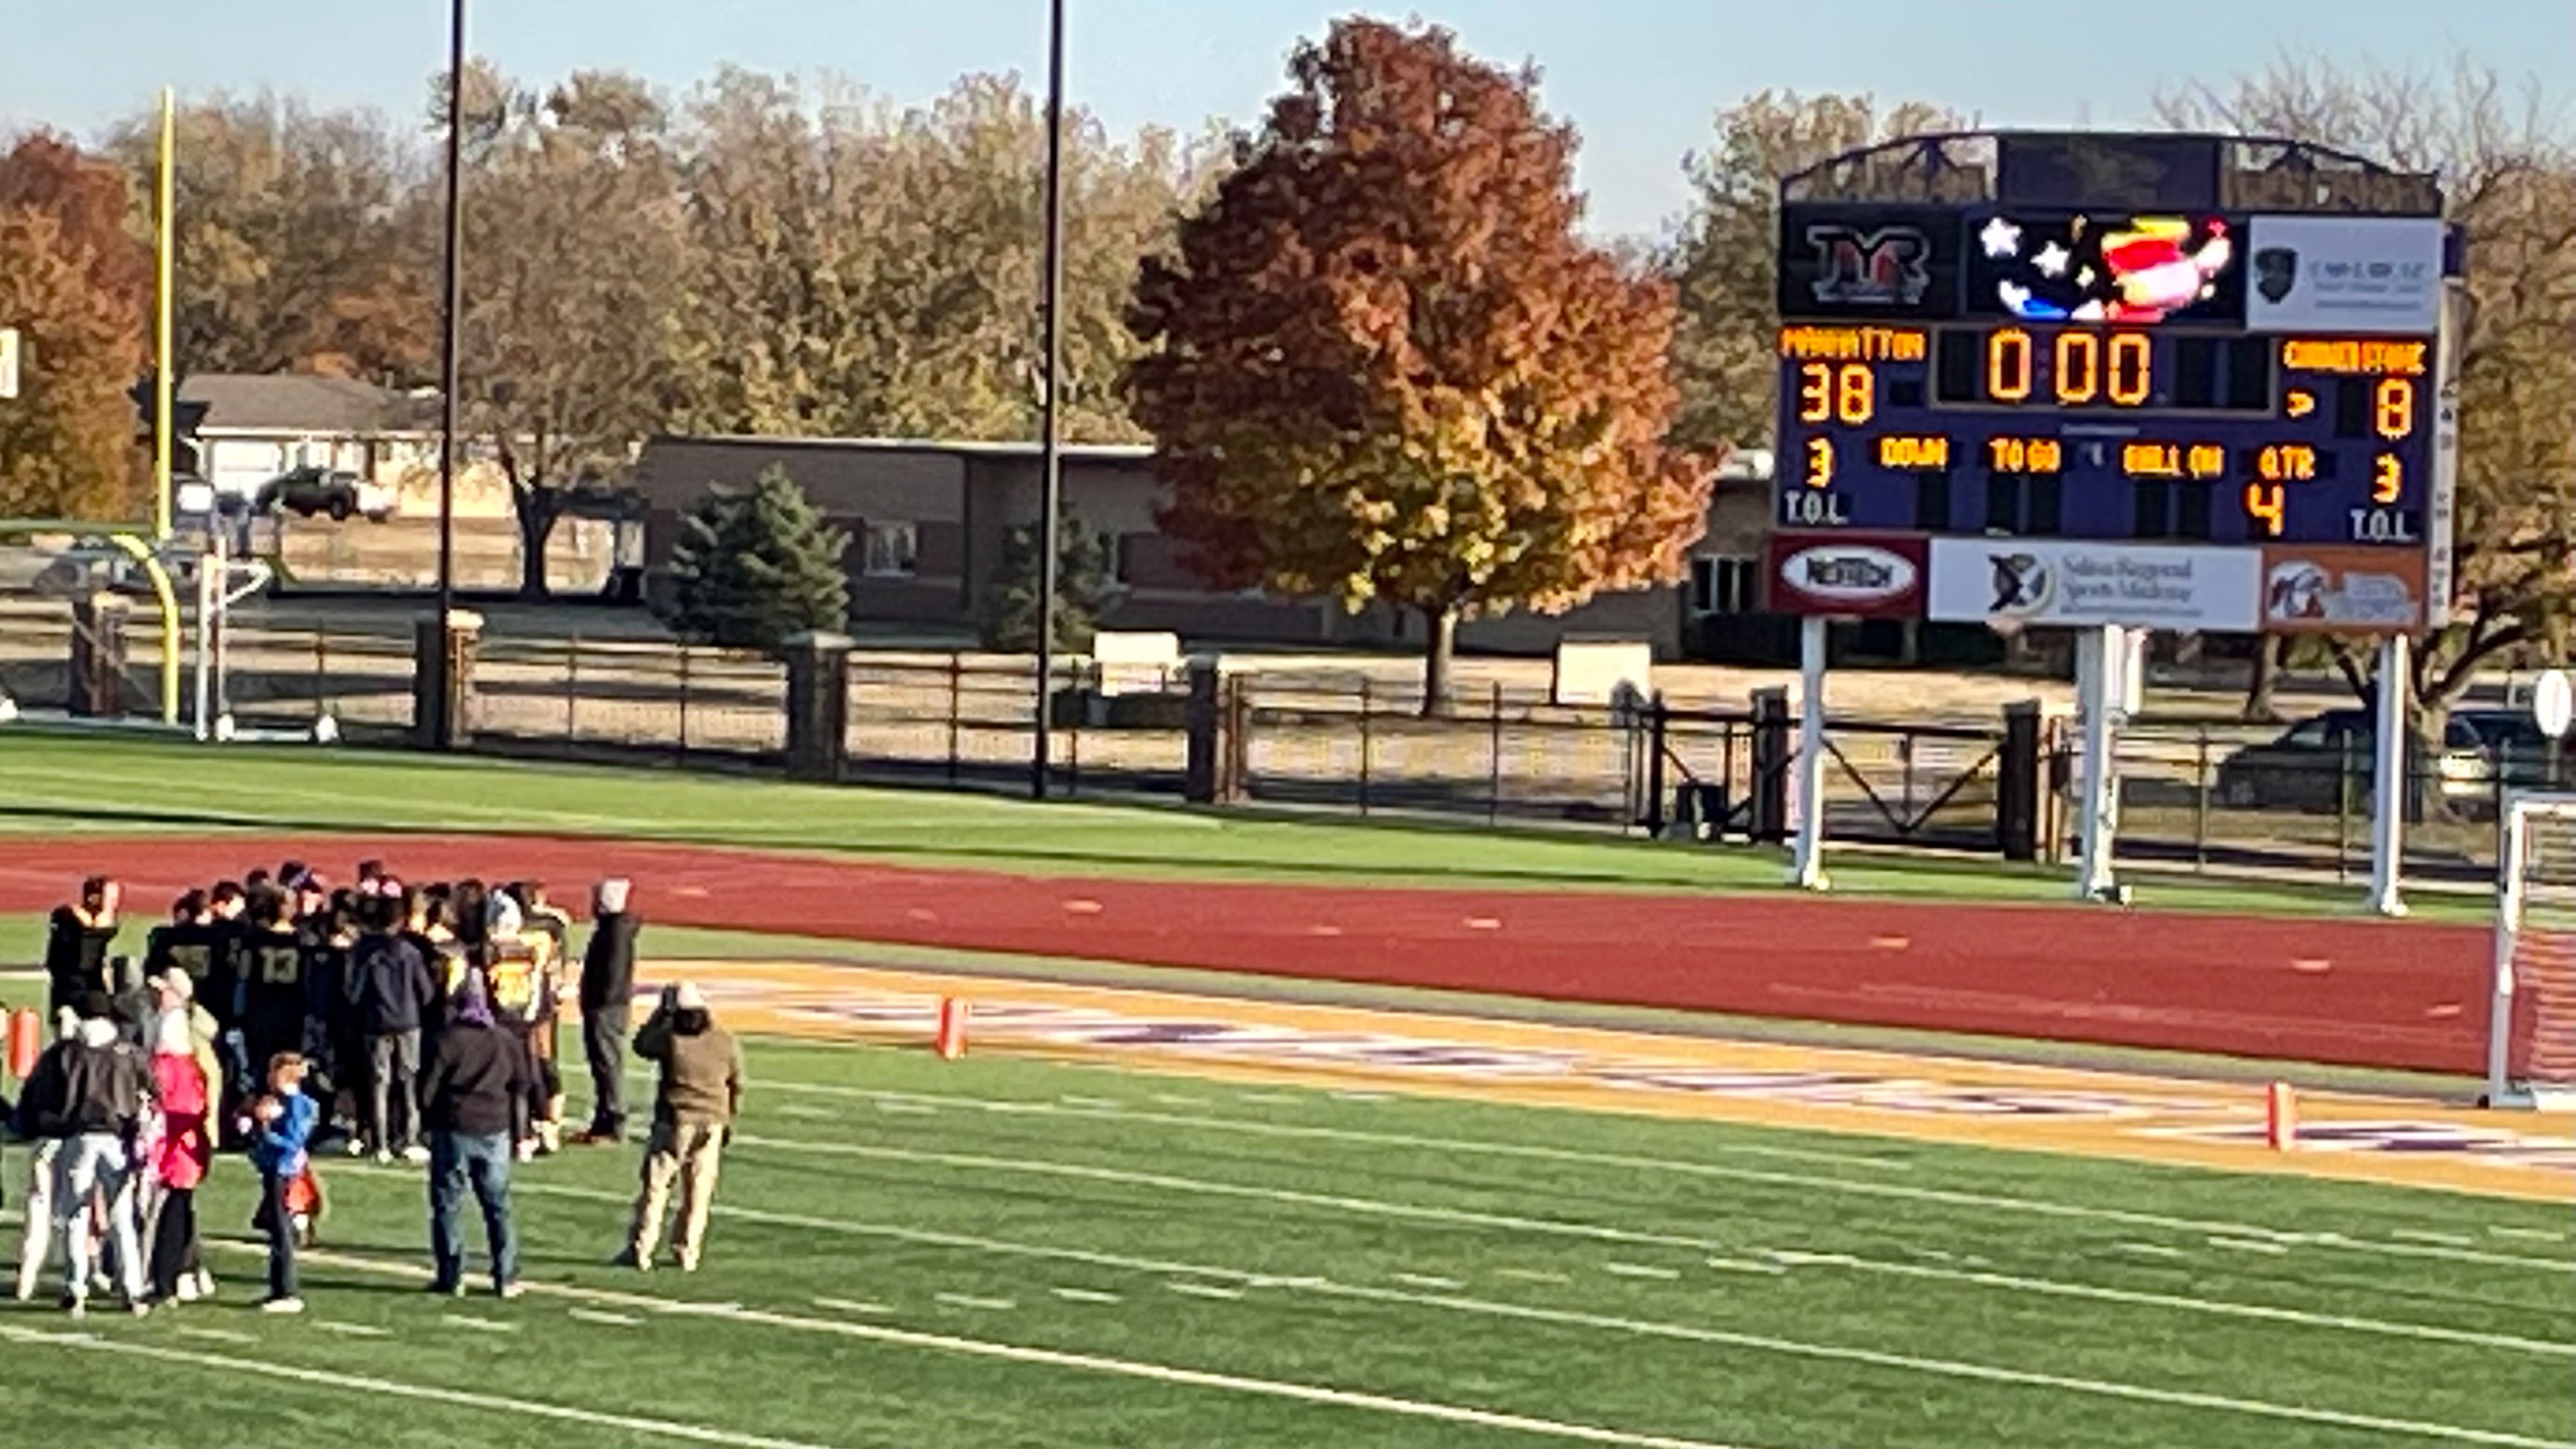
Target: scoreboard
<point>1983,407</point>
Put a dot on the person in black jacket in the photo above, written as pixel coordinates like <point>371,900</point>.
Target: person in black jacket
<point>477,1080</point>
<point>87,1093</point>
<point>607,1007</point>
<point>389,990</point>
<point>76,940</point>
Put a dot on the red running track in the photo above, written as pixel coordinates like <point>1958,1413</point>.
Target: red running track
<point>2377,994</point>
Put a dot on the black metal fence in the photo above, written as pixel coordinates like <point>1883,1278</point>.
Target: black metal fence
<point>2213,796</point>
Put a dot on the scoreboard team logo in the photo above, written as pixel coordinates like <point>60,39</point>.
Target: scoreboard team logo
<point>1888,267</point>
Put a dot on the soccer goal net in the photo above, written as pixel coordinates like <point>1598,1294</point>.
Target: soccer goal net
<point>2531,1043</point>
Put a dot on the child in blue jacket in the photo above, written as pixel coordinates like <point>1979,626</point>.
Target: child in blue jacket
<point>281,1125</point>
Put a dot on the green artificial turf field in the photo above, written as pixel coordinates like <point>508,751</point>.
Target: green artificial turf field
<point>1008,1252</point>
<point>55,783</point>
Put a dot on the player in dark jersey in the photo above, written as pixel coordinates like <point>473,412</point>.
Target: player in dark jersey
<point>77,937</point>
<point>275,996</point>
<point>192,941</point>
<point>330,1024</point>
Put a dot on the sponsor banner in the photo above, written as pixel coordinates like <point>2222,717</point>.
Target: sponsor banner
<point>2342,590</point>
<point>2061,582</point>
<point>2344,274</point>
<point>1861,576</point>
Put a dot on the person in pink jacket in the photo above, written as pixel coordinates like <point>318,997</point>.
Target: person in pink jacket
<point>179,1160</point>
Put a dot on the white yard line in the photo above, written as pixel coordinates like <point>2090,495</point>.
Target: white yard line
<point>1947,1368</point>
<point>969,1300</point>
<point>2246,1245</point>
<point>514,1404</point>
<point>1639,1270</point>
<point>215,1335</point>
<point>1907,1192</point>
<point>1429,1280</point>
<point>1085,1295</point>
<point>612,1320</point>
<point>1204,1290</point>
<point>975,1347</point>
<point>352,1330</point>
<point>1553,1227</point>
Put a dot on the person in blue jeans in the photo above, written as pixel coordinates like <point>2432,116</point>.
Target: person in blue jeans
<point>281,1127</point>
<point>476,1081</point>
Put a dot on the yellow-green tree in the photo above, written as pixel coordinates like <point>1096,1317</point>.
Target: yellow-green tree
<point>1382,364</point>
<point>1726,259</point>
<point>2508,170</point>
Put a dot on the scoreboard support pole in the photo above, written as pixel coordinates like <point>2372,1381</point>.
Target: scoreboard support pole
<point>2388,780</point>
<point>2099,657</point>
<point>1807,866</point>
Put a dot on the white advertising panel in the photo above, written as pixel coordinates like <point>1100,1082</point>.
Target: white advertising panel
<point>2063,582</point>
<point>2343,274</point>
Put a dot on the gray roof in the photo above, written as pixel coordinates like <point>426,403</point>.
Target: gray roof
<point>955,448</point>
<point>287,403</point>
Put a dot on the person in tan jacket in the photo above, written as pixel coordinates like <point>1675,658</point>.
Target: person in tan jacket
<point>693,1112</point>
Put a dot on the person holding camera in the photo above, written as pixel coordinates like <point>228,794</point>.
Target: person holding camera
<point>694,1105</point>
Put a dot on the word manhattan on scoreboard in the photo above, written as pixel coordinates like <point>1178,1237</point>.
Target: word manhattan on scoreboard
<point>2252,401</point>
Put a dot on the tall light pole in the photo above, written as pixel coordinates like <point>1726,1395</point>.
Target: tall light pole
<point>442,722</point>
<point>1051,341</point>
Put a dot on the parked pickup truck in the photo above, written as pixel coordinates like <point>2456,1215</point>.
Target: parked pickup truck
<point>308,491</point>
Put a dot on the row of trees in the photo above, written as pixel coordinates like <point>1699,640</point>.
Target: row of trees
<point>1378,355</point>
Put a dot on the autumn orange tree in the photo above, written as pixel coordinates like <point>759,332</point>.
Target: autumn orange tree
<point>1381,364</point>
<point>78,290</point>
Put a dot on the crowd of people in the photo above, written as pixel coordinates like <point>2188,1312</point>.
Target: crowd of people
<point>283,1018</point>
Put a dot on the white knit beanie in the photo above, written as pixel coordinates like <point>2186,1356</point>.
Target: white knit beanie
<point>612,895</point>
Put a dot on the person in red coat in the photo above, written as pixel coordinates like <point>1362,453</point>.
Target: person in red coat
<point>178,1160</point>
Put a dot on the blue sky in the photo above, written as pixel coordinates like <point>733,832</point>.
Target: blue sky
<point>1640,77</point>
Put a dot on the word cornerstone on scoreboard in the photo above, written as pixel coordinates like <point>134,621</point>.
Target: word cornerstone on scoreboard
<point>2196,421</point>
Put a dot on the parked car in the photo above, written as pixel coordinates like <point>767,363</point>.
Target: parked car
<point>308,491</point>
<point>103,569</point>
<point>2519,756</point>
<point>2311,764</point>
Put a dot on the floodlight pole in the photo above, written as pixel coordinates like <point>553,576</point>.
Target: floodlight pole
<point>1051,342</point>
<point>442,726</point>
<point>164,246</point>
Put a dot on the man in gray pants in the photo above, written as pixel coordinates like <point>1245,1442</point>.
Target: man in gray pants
<point>607,1007</point>
<point>390,988</point>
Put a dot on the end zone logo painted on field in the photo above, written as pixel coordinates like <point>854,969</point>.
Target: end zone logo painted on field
<point>2224,1121</point>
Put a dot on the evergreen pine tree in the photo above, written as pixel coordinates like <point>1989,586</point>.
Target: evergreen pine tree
<point>1085,589</point>
<point>753,567</point>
